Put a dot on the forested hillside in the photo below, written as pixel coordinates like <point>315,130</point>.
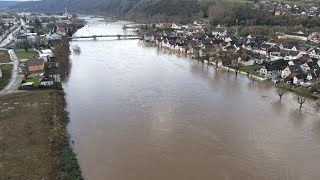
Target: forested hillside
<point>169,10</point>
<point>6,4</point>
<point>226,12</point>
<point>157,10</point>
<point>83,6</point>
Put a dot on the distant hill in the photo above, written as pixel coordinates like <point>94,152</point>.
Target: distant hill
<point>90,6</point>
<point>169,10</point>
<point>6,4</point>
<point>159,10</point>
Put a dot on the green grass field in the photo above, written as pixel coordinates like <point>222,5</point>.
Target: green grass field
<point>6,75</point>
<point>22,54</point>
<point>35,80</point>
<point>4,57</point>
<point>248,69</point>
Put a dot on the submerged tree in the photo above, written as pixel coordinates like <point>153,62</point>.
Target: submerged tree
<point>281,89</point>
<point>301,100</point>
<point>236,67</point>
<point>280,92</point>
<point>301,96</point>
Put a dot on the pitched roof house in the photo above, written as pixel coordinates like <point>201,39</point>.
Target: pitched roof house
<point>292,69</point>
<point>62,31</point>
<point>54,73</point>
<point>273,69</point>
<point>46,81</point>
<point>35,65</point>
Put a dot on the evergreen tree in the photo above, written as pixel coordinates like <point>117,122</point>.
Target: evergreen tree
<point>70,32</point>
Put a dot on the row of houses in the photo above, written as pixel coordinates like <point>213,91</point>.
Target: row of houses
<point>48,73</point>
<point>34,38</point>
<point>43,37</point>
<point>280,8</point>
<point>44,30</point>
<point>7,24</point>
<point>272,58</point>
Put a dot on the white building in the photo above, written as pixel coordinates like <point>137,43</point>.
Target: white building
<point>46,54</point>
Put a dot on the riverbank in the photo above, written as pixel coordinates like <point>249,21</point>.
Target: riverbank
<point>33,125</point>
<point>216,64</point>
<point>249,71</point>
<point>34,137</point>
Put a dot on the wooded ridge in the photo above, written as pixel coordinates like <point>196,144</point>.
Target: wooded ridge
<point>157,10</point>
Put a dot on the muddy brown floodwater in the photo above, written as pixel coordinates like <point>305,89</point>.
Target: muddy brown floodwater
<point>139,113</point>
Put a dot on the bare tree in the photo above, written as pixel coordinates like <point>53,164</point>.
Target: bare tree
<point>281,89</point>
<point>280,92</point>
<point>227,57</point>
<point>217,11</point>
<point>26,45</point>
<point>301,100</point>
<point>62,56</point>
<point>237,68</point>
<point>301,96</point>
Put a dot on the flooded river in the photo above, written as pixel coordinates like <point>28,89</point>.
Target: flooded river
<point>139,113</point>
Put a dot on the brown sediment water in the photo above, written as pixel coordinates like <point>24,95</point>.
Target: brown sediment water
<point>142,113</point>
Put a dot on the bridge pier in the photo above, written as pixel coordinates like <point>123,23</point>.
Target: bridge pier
<point>94,37</point>
<point>118,36</point>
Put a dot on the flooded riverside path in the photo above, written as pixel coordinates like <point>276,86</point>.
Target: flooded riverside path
<point>137,113</point>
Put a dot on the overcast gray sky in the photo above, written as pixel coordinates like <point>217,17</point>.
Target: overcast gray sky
<point>15,0</point>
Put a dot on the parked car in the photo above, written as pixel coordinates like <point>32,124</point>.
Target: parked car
<point>27,85</point>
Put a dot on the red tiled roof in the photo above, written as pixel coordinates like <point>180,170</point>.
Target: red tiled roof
<point>62,29</point>
<point>280,41</point>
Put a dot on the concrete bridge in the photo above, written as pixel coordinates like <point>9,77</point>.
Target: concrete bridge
<point>119,36</point>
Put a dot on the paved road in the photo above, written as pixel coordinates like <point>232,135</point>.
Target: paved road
<point>6,63</point>
<point>16,79</point>
<point>9,37</point>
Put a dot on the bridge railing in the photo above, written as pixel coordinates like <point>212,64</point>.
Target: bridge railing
<point>95,36</point>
